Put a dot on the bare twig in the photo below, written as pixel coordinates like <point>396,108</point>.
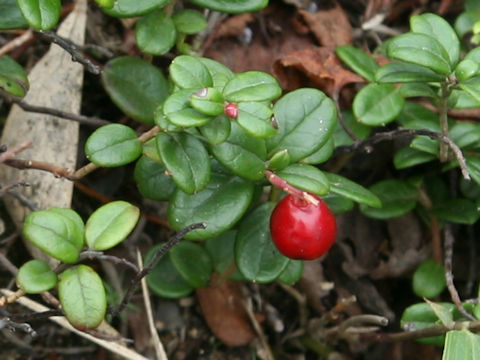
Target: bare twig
<point>91,254</point>
<point>357,321</point>
<point>16,42</point>
<point>448,244</point>
<point>277,181</point>
<point>56,170</point>
<point>11,153</point>
<point>12,325</point>
<point>268,354</point>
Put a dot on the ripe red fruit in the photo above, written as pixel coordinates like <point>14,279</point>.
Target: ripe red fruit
<point>301,230</point>
<point>231,110</point>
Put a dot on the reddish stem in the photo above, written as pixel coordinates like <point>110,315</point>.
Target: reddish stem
<point>277,181</point>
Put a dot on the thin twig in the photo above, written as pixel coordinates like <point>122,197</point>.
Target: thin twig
<point>448,244</point>
<point>154,261</point>
<point>268,355</point>
<point>56,170</point>
<point>11,153</point>
<point>16,42</point>
<point>72,49</point>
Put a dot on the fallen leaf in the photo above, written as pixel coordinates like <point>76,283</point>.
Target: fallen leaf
<point>235,25</point>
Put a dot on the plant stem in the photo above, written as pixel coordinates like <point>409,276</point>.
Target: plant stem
<point>443,111</point>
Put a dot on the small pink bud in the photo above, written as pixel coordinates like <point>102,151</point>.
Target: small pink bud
<point>231,110</point>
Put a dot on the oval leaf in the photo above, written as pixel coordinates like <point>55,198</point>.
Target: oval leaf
<point>358,61</point>
<point>186,159</point>
<point>208,101</point>
<point>35,276</point>
<point>305,177</point>
<point>110,224</point>
<point>252,86</point>
<point>254,117</point>
<point>406,73</point>
<point>189,21</point>
<point>256,256</point>
<point>179,111</point>
<point>220,73</point>
<point>135,86</point>
<point>292,273</point>
<point>113,145</point>
<point>132,8</point>
<point>41,14</point>
<point>461,344</point>
<point>151,180</point>
<point>221,251</point>
<point>221,204</point>
<point>12,17</point>
<point>429,279</point>
<point>192,262</point>
<point>13,78</point>
<point>232,6</point>
<point>378,104</point>
<point>217,130</point>
<point>408,157</point>
<point>346,188</point>
<point>82,296</point>
<point>458,211</point>
<point>189,72</point>
<point>155,33</point>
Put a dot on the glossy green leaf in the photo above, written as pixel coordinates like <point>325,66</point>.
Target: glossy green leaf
<point>189,21</point>
<point>242,154</point>
<point>178,110</point>
<point>405,73</point>
<point>306,120</point>
<point>232,6</point>
<point>219,73</point>
<point>73,216</point>
<point>13,78</point>
<point>256,256</point>
<point>110,224</point>
<point>135,86</point>
<point>425,144</point>
<point>279,161</point>
<point>342,138</point>
<point>292,273</point>
<point>417,117</point>
<point>221,251</point>
<point>397,198</point>
<point>377,104</point>
<point>35,276</point>
<point>420,49</point>
<point>82,295</point>
<point>150,151</point>
<point>155,33</point>
<point>344,187</point>
<point>164,279</point>
<point>254,117</point>
<point>470,189</point>
<point>429,279</point>
<point>221,204</point>
<point>473,167</point>
<point>472,87</point>
<point>55,234</point>
<point>443,314</point>
<point>358,61</point>
<point>186,159</point>
<point>12,17</point>
<point>461,344</point>
<point>466,69</point>
<point>408,157</point>
<point>458,211</point>
<point>152,181</point>
<point>208,101</point>
<point>189,72</point>
<point>216,131</point>
<point>108,4</point>
<point>41,14</point>
<point>463,100</point>
<point>465,134</point>
<point>252,86</point>
<point>163,122</point>
<point>338,204</point>
<point>322,154</point>
<point>132,8</point>
<point>415,89</point>
<point>473,54</point>
<point>305,177</point>
<point>192,262</point>
<point>113,145</point>
<point>439,29</point>
<point>465,21</point>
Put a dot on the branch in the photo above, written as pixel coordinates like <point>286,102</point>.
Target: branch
<point>56,170</point>
<point>7,154</point>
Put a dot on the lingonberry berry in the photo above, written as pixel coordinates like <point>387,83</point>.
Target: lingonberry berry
<point>302,230</point>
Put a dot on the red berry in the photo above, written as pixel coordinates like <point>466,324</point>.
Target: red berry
<point>231,110</point>
<point>301,230</point>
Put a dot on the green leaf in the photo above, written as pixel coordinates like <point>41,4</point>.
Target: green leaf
<point>208,101</point>
<point>306,120</point>
<point>338,204</point>
<point>429,279</point>
<point>13,78</point>
<point>232,6</point>
<point>254,117</point>
<point>322,154</point>
<point>178,110</point>
<point>113,145</point>
<point>163,122</point>
<point>192,262</point>
<point>465,21</point>
<point>155,33</point>
<point>252,86</point>
<point>151,180</point>
<point>279,161</point>
<point>417,90</point>
<point>406,73</point>
<point>242,154</point>
<point>408,157</point>
<point>219,73</point>
<point>305,177</point>
<point>460,99</point>
<point>73,216</point>
<point>150,151</point>
<point>221,251</point>
<point>110,224</point>
<point>256,256</point>
<point>35,277</point>
<point>12,17</point>
<point>466,69</point>
<point>41,14</point>
<point>292,273</point>
<point>473,167</point>
<point>425,144</point>
<point>221,204</point>
<point>397,198</point>
<point>189,72</point>
<point>458,211</point>
<point>216,131</point>
<point>189,21</point>
<point>465,134</point>
<point>378,104</point>
<point>132,8</point>
<point>360,62</point>
<point>186,159</point>
<point>55,234</point>
<point>108,4</point>
<point>82,295</point>
<point>418,117</point>
<point>442,312</point>
<point>439,29</point>
<point>135,86</point>
<point>342,138</point>
<point>346,188</point>
<point>164,279</point>
<point>420,49</point>
<point>472,87</point>
<point>461,344</point>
